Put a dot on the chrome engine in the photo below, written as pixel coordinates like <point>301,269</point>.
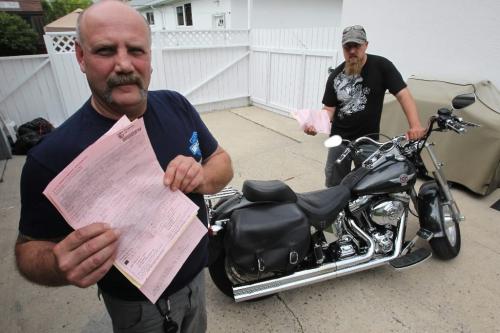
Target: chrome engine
<point>383,242</point>
<point>379,217</point>
<point>387,212</point>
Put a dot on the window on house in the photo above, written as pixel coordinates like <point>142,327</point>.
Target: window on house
<point>150,17</point>
<point>184,15</point>
<point>180,16</point>
<point>218,21</point>
<point>187,12</point>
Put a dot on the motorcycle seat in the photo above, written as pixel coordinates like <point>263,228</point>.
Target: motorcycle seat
<point>268,190</point>
<point>321,207</point>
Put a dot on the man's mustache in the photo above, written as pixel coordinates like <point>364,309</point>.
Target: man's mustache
<point>119,80</point>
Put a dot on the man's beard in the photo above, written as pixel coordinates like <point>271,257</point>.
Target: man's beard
<point>353,66</point>
<point>118,80</point>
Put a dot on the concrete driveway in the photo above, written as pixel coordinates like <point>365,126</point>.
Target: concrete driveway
<point>462,295</point>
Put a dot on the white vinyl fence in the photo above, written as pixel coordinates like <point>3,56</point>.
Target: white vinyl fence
<point>209,67</point>
<point>289,67</point>
<point>28,90</point>
<point>280,69</point>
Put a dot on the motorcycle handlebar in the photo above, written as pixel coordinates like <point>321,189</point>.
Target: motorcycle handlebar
<point>343,156</point>
<point>454,123</point>
<point>468,123</point>
<point>455,126</point>
<point>445,121</point>
<point>365,138</point>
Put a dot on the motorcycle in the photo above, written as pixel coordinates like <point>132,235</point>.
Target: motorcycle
<point>267,238</point>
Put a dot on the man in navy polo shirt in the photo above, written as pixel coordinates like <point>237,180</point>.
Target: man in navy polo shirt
<point>113,49</point>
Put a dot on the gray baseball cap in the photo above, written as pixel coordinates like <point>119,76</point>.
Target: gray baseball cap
<point>354,34</point>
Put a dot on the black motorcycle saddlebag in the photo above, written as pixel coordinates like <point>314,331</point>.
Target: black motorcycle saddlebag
<point>267,238</point>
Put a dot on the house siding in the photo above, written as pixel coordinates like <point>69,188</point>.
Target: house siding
<point>265,14</point>
<point>202,11</point>
<point>24,6</point>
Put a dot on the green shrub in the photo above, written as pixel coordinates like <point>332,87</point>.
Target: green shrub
<point>16,36</point>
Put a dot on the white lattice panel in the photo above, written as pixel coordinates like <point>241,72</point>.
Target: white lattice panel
<point>197,38</point>
<point>61,43</point>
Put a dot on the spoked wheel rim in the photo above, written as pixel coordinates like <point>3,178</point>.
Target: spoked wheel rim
<point>450,227</point>
<point>447,245</point>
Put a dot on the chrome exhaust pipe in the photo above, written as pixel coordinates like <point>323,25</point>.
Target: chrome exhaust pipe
<point>358,259</point>
<point>323,273</point>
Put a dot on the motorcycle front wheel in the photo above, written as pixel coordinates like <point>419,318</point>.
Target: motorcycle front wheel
<point>448,246</point>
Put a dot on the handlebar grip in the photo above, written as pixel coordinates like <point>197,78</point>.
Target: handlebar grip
<point>343,156</point>
<point>468,123</point>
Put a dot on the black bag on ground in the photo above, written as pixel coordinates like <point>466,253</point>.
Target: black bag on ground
<point>267,238</point>
<point>29,134</point>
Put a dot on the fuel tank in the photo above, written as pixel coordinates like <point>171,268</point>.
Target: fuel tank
<point>391,176</point>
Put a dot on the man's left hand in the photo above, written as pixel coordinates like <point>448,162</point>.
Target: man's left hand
<point>183,173</point>
<point>415,133</point>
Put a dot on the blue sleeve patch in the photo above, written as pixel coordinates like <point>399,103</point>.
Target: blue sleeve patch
<point>195,144</point>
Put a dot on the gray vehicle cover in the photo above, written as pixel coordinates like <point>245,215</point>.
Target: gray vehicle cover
<point>471,159</point>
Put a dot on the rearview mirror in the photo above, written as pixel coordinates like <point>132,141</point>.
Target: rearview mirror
<point>333,141</point>
<point>462,101</point>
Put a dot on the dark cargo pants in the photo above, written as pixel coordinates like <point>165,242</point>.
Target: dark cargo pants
<point>188,310</point>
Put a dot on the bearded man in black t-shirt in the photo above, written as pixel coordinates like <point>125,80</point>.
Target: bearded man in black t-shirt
<point>354,97</point>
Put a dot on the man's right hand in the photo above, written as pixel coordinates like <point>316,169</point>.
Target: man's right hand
<point>310,130</point>
<point>86,254</point>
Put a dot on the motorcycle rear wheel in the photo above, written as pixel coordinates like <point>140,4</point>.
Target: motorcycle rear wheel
<point>448,246</point>
<point>218,274</point>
